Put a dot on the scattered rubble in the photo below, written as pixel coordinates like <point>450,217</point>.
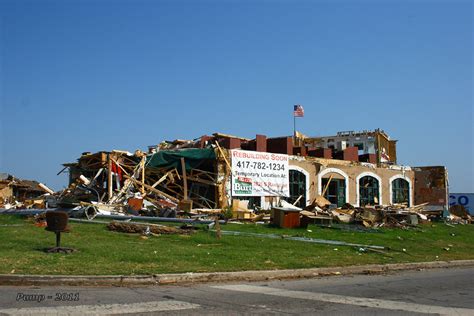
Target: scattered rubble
<point>164,183</point>
<point>458,215</point>
<point>396,215</point>
<point>147,229</point>
<point>189,179</point>
<point>16,193</point>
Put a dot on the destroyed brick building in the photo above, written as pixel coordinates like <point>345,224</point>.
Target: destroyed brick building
<point>359,168</point>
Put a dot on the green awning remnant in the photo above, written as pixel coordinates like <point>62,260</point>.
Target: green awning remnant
<point>193,157</point>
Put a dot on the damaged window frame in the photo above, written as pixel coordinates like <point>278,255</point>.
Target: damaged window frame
<point>369,191</point>
<point>400,191</point>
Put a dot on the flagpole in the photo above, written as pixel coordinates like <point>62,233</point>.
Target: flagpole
<point>297,111</point>
<point>294,125</point>
<point>294,128</point>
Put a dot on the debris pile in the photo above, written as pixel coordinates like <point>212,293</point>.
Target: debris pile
<point>164,183</point>
<point>193,180</point>
<point>146,229</point>
<point>321,211</point>
<point>16,193</point>
<point>180,178</point>
<point>458,215</point>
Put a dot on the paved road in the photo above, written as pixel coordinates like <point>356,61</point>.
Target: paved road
<point>446,292</point>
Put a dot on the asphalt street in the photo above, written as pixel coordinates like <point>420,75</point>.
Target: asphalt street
<point>437,291</point>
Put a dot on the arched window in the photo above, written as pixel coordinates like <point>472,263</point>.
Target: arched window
<point>335,190</point>
<point>368,191</point>
<point>400,191</point>
<point>297,188</point>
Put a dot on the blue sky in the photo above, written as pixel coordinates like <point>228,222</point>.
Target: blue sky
<point>99,75</point>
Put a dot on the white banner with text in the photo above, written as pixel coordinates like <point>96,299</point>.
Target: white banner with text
<point>259,174</point>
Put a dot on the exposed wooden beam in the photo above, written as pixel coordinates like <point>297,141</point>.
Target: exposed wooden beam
<point>154,190</point>
<point>109,176</point>
<point>223,156</point>
<point>185,179</point>
<point>327,186</point>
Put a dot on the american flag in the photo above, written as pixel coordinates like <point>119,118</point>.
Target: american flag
<point>298,111</point>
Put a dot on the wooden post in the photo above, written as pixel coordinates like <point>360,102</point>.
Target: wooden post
<point>109,177</point>
<point>377,148</point>
<point>223,155</point>
<point>44,187</point>
<point>143,173</point>
<point>218,228</point>
<point>185,179</point>
<point>327,186</point>
<point>298,199</point>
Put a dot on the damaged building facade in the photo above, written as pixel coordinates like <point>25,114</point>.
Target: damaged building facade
<point>359,168</point>
<point>210,172</point>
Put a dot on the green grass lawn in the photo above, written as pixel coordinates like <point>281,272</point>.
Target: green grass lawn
<point>104,252</point>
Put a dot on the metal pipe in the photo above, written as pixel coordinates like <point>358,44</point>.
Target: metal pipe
<point>31,211</point>
<point>159,219</point>
<point>117,217</point>
<point>306,239</point>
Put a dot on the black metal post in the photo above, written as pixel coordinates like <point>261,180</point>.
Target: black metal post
<point>58,239</point>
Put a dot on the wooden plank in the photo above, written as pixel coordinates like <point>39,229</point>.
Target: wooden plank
<point>177,173</point>
<point>201,173</point>
<point>221,135</point>
<point>149,187</point>
<point>321,201</point>
<point>298,199</point>
<point>125,187</point>
<point>195,179</point>
<point>127,184</point>
<point>327,185</point>
<point>185,179</point>
<point>223,156</point>
<point>163,178</point>
<point>143,174</point>
<point>205,172</point>
<point>115,161</point>
<point>109,177</point>
<point>178,195</point>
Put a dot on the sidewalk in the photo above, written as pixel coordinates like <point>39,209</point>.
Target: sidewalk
<point>245,276</point>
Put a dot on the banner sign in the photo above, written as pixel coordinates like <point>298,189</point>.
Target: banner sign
<point>464,199</point>
<point>259,174</point>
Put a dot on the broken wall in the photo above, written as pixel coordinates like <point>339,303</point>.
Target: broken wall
<point>431,186</point>
<point>385,147</point>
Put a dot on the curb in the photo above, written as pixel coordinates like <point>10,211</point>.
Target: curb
<point>247,276</point>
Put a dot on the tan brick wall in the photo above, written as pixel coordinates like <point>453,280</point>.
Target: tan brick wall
<point>328,167</point>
